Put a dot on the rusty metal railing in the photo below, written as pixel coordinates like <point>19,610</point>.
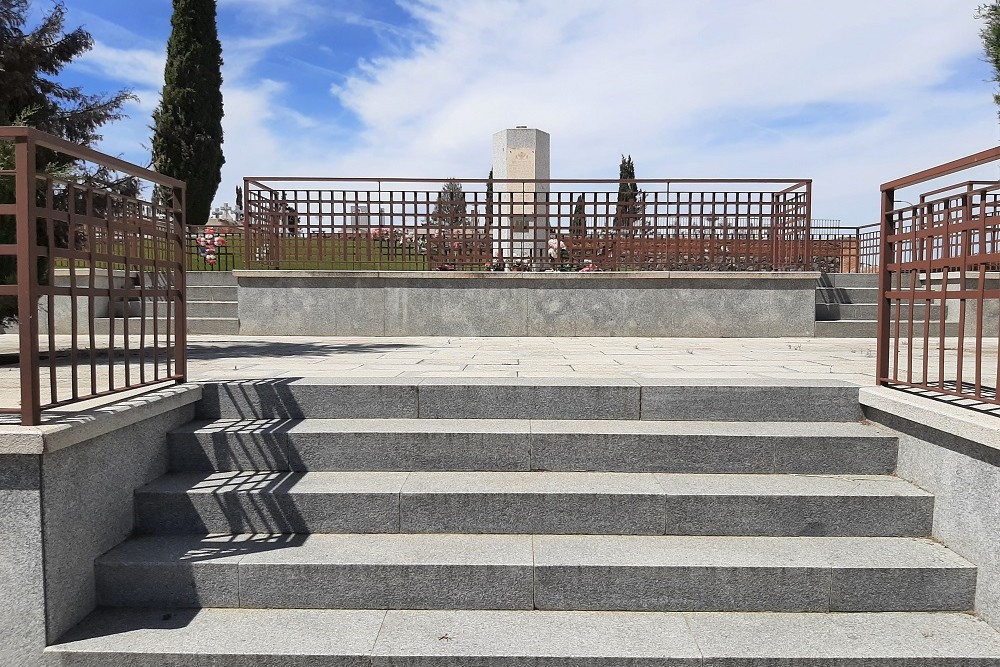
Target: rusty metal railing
<point>939,282</point>
<point>569,225</point>
<point>95,277</point>
<point>845,249</point>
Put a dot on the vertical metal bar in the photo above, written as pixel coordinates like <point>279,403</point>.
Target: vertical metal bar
<point>884,283</point>
<point>27,280</point>
<point>180,322</point>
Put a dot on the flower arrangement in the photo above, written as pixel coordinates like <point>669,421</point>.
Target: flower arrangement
<point>208,244</point>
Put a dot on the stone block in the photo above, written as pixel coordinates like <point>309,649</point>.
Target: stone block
<point>275,502</point>
<point>392,572</point>
<point>326,398</point>
<point>795,505</point>
<point>592,503</point>
<point>525,398</point>
<point>512,638</point>
<point>410,444</point>
<point>756,400</point>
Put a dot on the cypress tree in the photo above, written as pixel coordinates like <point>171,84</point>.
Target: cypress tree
<point>990,34</point>
<point>628,195</point>
<point>187,138</point>
<point>578,223</point>
<point>450,209</point>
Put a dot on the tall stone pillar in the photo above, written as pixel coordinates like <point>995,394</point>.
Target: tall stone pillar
<point>521,208</point>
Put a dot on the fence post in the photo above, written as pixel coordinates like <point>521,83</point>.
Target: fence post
<point>180,232</point>
<point>885,249</point>
<point>246,224</point>
<point>27,280</point>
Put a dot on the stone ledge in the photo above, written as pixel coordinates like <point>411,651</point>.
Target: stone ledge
<point>982,430</point>
<point>77,427</point>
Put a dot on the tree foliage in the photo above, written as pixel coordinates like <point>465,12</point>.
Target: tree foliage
<point>630,207</point>
<point>31,60</point>
<point>450,210</point>
<point>29,90</point>
<point>578,223</point>
<point>990,34</point>
<point>187,124</point>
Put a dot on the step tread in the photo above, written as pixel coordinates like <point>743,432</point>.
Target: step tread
<point>670,551</point>
<point>563,483</point>
<point>225,637</point>
<point>595,426</point>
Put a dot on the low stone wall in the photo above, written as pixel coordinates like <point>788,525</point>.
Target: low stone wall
<point>677,304</point>
<point>953,453</point>
<point>66,497</point>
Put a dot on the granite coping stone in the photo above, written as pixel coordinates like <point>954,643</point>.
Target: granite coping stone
<point>807,277</point>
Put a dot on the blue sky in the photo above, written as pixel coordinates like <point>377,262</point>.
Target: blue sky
<point>850,93</point>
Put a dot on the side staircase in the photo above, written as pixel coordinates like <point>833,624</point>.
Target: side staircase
<point>212,306</point>
<point>556,523</point>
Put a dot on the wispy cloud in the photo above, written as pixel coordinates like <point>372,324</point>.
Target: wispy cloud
<point>846,93</point>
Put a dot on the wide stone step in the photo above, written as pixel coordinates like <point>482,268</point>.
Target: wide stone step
<point>758,399</point>
<point>214,309</point>
<point>869,280</point>
<point>213,326</point>
<point>868,329</point>
<point>583,572</point>
<point>311,637</point>
<point>847,294</point>
<point>210,279</point>
<point>523,445</point>
<point>869,311</point>
<point>212,293</point>
<point>532,502</point>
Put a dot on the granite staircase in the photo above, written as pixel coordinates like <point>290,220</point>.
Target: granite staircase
<point>443,522</point>
<point>212,305</point>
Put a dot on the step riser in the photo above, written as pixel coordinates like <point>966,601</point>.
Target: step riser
<point>577,513</point>
<point>273,399</point>
<point>213,327</point>
<point>215,309</point>
<point>524,451</point>
<point>210,278</point>
<point>869,280</point>
<point>324,586</point>
<point>867,329</point>
<point>862,311</point>
<point>846,295</point>
<point>223,294</point>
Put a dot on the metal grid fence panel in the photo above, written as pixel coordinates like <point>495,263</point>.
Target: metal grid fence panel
<point>568,225</point>
<point>939,311</point>
<point>99,289</point>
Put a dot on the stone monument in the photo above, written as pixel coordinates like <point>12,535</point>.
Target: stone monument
<point>521,208</point>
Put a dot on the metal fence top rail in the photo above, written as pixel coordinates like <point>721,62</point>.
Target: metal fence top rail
<point>946,169</point>
<point>82,152</point>
<point>258,180</point>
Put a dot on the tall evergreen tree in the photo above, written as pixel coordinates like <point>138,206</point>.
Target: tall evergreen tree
<point>578,223</point>
<point>187,139</point>
<point>990,34</point>
<point>450,209</point>
<point>628,211</point>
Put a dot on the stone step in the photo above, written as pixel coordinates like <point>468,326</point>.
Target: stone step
<point>869,311</point>
<point>444,638</point>
<point>213,326</point>
<point>867,329</point>
<point>869,280</point>
<point>533,502</point>
<point>846,329</point>
<point>847,295</point>
<point>524,445</point>
<point>757,399</point>
<point>223,309</point>
<point>552,572</point>
<point>210,279</point>
<point>211,293</point>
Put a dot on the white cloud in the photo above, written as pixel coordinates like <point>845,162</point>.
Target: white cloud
<point>848,93</point>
